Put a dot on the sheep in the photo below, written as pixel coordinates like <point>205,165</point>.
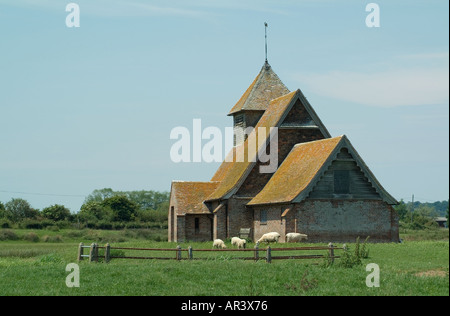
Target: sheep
<point>218,243</point>
<point>295,237</point>
<point>240,243</point>
<point>268,238</point>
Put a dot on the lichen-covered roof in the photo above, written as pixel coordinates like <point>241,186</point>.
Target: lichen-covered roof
<point>232,172</point>
<point>297,171</point>
<point>266,87</point>
<point>187,197</point>
<point>303,168</point>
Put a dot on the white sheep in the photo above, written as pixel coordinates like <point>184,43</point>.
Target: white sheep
<point>218,243</point>
<point>268,238</point>
<point>240,243</point>
<point>295,237</point>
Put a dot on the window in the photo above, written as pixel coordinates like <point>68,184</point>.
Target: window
<point>263,220</point>
<point>197,225</point>
<point>341,182</point>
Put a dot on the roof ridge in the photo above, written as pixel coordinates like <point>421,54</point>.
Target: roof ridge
<point>319,140</point>
<point>182,181</point>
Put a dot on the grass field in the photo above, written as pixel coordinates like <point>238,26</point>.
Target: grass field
<point>418,266</point>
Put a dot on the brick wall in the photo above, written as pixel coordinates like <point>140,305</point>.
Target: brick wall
<point>345,220</point>
<point>220,223</point>
<point>287,138</point>
<point>238,216</point>
<point>274,222</point>
<point>203,233</point>
<point>180,230</point>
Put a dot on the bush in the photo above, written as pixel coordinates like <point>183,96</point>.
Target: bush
<point>53,228</point>
<point>4,223</point>
<point>6,234</point>
<point>31,236</point>
<point>104,225</point>
<point>349,259</point>
<point>55,239</point>
<point>31,224</point>
<point>56,212</point>
<point>118,225</point>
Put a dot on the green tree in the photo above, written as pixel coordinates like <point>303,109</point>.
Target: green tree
<point>56,212</point>
<point>18,209</point>
<point>123,209</point>
<point>2,210</point>
<point>95,211</point>
<point>401,209</point>
<point>100,195</point>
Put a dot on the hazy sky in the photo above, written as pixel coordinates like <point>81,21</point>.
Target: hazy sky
<point>92,107</point>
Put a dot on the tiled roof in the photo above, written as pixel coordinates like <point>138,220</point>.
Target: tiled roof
<point>187,197</point>
<point>303,168</point>
<point>297,171</point>
<point>266,87</point>
<point>230,174</point>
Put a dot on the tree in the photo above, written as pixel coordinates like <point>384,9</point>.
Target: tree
<point>99,195</point>
<point>94,211</point>
<point>2,210</point>
<point>56,212</point>
<point>123,209</point>
<point>18,209</point>
<point>402,209</point>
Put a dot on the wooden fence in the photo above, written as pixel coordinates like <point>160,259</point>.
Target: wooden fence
<point>178,251</point>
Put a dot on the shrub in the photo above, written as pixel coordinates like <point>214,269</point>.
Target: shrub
<point>118,225</point>
<point>53,228</point>
<point>104,225</point>
<point>56,212</point>
<point>4,223</point>
<point>6,234</point>
<point>55,239</point>
<point>31,236</point>
<point>349,259</point>
<point>74,233</point>
<point>31,224</point>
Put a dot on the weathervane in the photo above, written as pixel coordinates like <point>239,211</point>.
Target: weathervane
<point>266,25</point>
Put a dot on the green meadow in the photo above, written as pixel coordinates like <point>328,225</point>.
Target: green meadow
<point>33,263</point>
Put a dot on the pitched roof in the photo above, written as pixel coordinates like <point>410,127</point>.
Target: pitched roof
<point>232,173</point>
<point>266,87</point>
<point>296,172</point>
<point>188,197</point>
<point>303,168</point>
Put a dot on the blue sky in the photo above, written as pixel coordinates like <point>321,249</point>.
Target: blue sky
<point>92,107</point>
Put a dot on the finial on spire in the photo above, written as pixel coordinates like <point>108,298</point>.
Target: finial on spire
<point>266,25</point>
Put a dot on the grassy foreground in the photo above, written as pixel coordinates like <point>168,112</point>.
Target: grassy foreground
<point>38,268</point>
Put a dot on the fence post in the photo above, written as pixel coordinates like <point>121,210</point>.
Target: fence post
<point>190,253</point>
<point>93,253</point>
<point>107,253</point>
<point>256,253</point>
<point>80,251</point>
<point>178,256</point>
<point>269,255</point>
<point>96,252</point>
<point>331,252</point>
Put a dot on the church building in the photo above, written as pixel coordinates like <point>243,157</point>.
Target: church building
<point>321,188</point>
